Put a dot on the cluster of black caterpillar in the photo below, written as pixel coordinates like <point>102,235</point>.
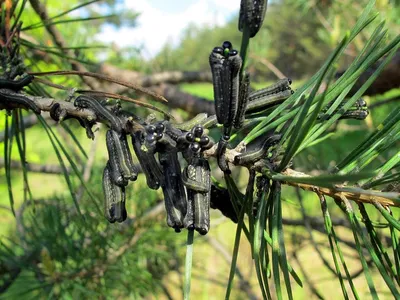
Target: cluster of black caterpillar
<point>188,192</point>
<point>156,145</point>
<point>234,101</point>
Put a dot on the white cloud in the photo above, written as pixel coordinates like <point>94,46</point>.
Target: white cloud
<point>156,27</point>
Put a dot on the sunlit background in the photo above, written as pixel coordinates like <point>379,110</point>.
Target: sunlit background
<point>162,22</point>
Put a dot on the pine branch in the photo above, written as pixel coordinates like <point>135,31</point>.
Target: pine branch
<point>363,196</point>
<point>337,192</point>
<point>46,104</point>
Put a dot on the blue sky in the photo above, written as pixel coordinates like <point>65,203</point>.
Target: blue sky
<point>163,21</point>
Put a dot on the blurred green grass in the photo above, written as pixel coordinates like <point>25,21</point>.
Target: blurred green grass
<point>203,89</point>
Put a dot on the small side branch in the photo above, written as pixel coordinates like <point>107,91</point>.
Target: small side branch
<point>363,196</point>
<point>338,192</point>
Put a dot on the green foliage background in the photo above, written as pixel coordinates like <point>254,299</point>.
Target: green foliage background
<point>62,255</point>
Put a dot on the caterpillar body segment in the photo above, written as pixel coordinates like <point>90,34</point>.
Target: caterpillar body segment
<point>84,101</point>
<point>202,200</point>
<point>198,210</point>
<point>223,165</point>
<point>15,85</point>
<point>120,157</point>
<point>145,154</point>
<point>13,97</point>
<point>361,104</point>
<point>173,190</point>
<point>251,15</point>
<point>359,111</point>
<point>128,161</point>
<point>166,142</point>
<point>231,67</point>
<point>355,114</point>
<point>225,64</point>
<point>58,114</point>
<point>114,198</point>
<point>216,60</point>
<point>192,183</point>
<point>175,133</point>
<point>118,168</point>
<point>266,101</point>
<point>257,150</point>
<point>242,102</point>
<point>279,86</point>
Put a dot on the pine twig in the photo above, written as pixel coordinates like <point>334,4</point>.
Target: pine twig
<point>338,192</point>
